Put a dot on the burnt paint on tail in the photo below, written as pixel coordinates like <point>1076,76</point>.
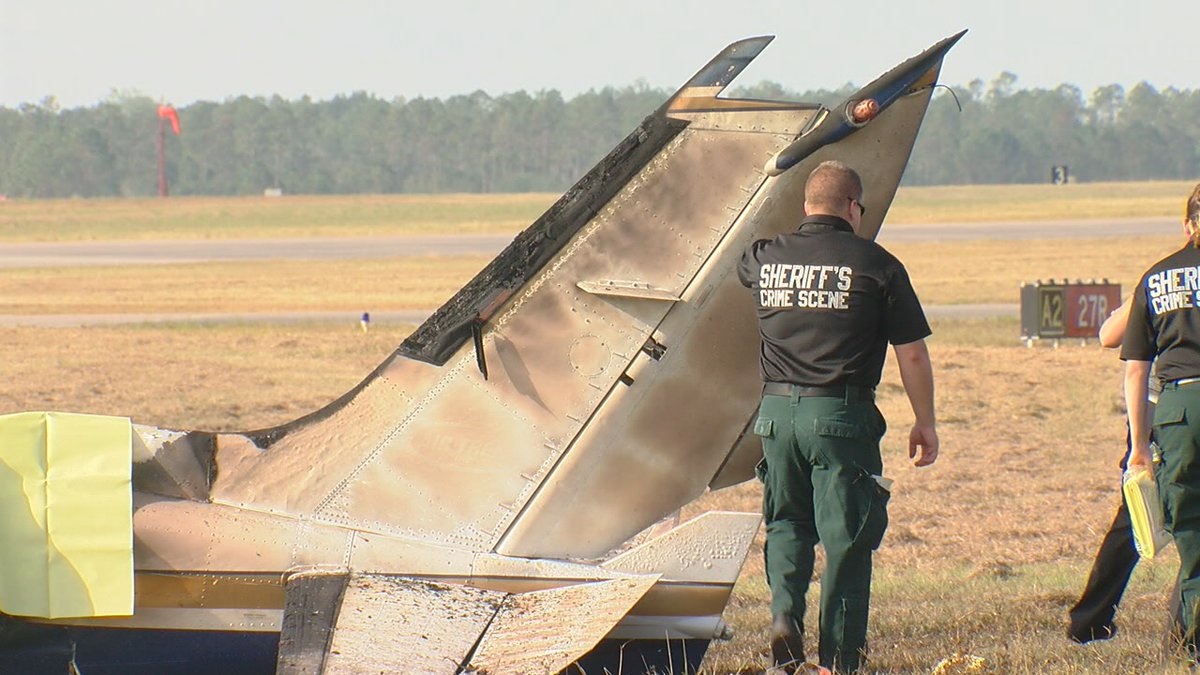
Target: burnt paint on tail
<point>436,340</point>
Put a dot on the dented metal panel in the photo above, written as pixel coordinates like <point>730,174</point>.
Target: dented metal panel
<point>706,549</point>
<point>309,458</point>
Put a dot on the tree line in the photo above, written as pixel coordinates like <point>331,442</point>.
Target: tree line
<point>519,142</point>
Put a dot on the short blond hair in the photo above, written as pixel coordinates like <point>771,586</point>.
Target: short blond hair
<point>830,185</point>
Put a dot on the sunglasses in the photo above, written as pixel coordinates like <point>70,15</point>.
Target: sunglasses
<point>862,210</point>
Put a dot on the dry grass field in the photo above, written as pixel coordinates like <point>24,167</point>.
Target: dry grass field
<point>989,547</point>
<point>279,286</point>
<point>367,215</point>
<point>252,217</point>
<point>945,273</point>
<point>986,549</point>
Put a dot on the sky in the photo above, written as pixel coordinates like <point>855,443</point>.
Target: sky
<point>83,52</point>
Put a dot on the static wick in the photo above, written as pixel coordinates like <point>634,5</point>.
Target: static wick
<point>864,111</point>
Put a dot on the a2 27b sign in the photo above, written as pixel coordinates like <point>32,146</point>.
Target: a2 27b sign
<point>1066,310</point>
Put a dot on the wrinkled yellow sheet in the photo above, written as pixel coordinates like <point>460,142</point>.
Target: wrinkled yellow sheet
<point>66,515</point>
<point>1145,513</point>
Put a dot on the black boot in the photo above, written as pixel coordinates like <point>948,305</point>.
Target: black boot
<point>787,643</point>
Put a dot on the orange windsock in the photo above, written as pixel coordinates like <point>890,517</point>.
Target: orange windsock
<point>168,113</point>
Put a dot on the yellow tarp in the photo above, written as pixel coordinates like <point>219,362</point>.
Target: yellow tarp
<point>66,515</point>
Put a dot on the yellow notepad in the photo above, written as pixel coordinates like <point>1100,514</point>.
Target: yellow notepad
<point>1145,512</point>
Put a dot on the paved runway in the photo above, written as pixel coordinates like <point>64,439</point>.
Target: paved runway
<point>70,254</point>
<point>411,317</point>
<point>158,252</point>
<point>75,253</point>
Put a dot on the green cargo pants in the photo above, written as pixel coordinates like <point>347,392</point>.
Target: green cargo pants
<point>819,456</point>
<point>1177,431</point>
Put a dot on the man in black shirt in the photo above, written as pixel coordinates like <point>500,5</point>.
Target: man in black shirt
<point>1164,322</point>
<point>828,303</point>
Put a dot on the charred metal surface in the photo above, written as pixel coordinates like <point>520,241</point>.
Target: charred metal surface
<point>394,624</point>
<point>739,465</point>
<point>477,337</point>
<point>446,330</point>
<point>654,349</point>
<point>904,79</point>
<point>546,631</point>
<point>314,599</point>
<point>173,464</point>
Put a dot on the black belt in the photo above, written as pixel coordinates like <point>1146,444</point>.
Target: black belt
<point>850,392</point>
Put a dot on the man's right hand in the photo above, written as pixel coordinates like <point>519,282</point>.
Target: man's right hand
<point>923,439</point>
<point>1140,458</point>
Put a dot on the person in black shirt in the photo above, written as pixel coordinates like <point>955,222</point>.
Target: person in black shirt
<point>1092,616</point>
<point>828,303</point>
<point>1164,326</point>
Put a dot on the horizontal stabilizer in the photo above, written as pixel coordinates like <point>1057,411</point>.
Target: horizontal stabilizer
<point>311,606</point>
<point>546,631</point>
<point>380,624</point>
<point>341,622</point>
<point>709,548</point>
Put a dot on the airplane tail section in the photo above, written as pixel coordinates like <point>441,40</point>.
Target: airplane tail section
<point>589,381</point>
<point>554,321</point>
<point>595,376</point>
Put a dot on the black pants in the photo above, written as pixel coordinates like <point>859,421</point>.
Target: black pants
<point>1092,616</point>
